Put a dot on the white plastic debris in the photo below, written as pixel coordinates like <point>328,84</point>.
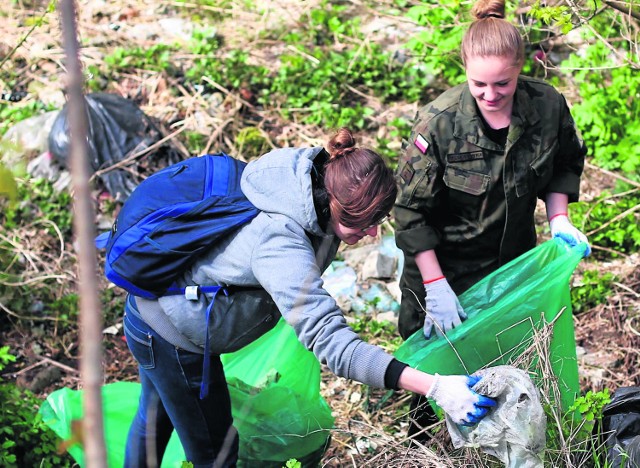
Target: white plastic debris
<point>26,139</point>
<point>515,430</point>
<point>367,280</point>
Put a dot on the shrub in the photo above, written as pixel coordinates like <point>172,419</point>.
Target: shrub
<point>25,440</point>
<point>610,221</point>
<point>592,289</point>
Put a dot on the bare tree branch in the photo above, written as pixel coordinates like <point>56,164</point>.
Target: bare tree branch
<point>623,7</point>
<point>83,223</point>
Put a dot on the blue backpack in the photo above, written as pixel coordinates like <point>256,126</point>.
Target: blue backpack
<point>170,219</point>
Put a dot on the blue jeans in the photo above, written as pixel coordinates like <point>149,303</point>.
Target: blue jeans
<point>170,379</point>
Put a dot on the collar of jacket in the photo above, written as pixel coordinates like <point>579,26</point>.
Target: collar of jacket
<point>524,114</point>
<point>320,196</point>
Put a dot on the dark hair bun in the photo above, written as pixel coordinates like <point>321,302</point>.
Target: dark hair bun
<point>341,144</point>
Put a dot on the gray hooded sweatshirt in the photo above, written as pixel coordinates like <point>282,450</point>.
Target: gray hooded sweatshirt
<point>283,250</point>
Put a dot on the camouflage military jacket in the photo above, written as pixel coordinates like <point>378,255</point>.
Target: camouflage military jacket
<point>473,200</point>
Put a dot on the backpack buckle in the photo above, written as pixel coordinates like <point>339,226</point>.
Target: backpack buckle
<point>191,293</point>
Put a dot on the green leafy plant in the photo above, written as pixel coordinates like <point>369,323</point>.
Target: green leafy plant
<point>12,113</point>
<point>154,58</point>
<point>66,308</point>
<point>583,416</point>
<point>195,142</point>
<point>5,357</point>
<point>382,333</point>
<point>438,42</point>
<point>591,404</point>
<point>328,88</point>
<point>229,69</point>
<point>231,72</point>
<point>292,463</point>
<point>557,15</point>
<point>610,220</point>
<point>603,83</point>
<point>205,41</point>
<point>317,84</point>
<point>39,200</point>
<point>252,142</point>
<point>24,439</point>
<point>592,289</point>
<point>573,431</point>
<point>321,26</point>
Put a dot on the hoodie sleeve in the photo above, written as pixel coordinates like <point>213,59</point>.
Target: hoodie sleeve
<point>284,263</point>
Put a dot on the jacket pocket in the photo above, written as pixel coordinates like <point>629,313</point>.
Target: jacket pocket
<point>240,318</point>
<point>467,192</point>
<point>542,167</point>
<point>463,180</point>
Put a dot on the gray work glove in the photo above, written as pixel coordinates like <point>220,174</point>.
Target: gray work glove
<point>443,310</point>
<point>454,394</point>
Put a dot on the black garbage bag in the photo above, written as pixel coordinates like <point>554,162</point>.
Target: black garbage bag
<point>621,428</point>
<point>116,129</point>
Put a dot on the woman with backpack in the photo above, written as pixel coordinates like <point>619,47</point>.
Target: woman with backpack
<point>310,200</point>
<point>477,159</point>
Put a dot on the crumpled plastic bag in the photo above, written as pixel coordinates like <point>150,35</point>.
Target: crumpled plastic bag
<point>116,129</point>
<point>26,139</point>
<point>621,427</point>
<point>515,430</point>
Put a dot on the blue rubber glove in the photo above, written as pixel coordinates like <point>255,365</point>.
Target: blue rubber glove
<point>561,227</point>
<point>443,310</point>
<point>454,394</point>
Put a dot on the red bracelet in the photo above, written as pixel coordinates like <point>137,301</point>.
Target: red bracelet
<point>558,214</point>
<point>432,280</point>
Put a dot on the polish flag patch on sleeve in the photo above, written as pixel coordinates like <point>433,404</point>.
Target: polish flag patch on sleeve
<point>421,143</point>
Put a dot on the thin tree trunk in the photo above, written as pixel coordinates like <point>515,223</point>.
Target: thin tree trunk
<point>84,229</point>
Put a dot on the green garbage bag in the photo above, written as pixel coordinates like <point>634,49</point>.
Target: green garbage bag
<point>119,406</point>
<point>275,394</point>
<point>503,310</point>
<point>279,412</point>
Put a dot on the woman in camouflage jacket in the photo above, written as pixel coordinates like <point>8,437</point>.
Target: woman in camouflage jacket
<point>477,160</point>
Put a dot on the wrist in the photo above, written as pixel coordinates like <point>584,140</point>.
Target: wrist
<point>558,215</point>
<point>433,280</point>
<point>415,381</point>
<point>434,386</point>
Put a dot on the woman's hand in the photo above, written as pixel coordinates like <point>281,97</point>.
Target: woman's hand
<point>454,394</point>
<point>442,308</point>
<point>562,227</point>
<point>559,221</point>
